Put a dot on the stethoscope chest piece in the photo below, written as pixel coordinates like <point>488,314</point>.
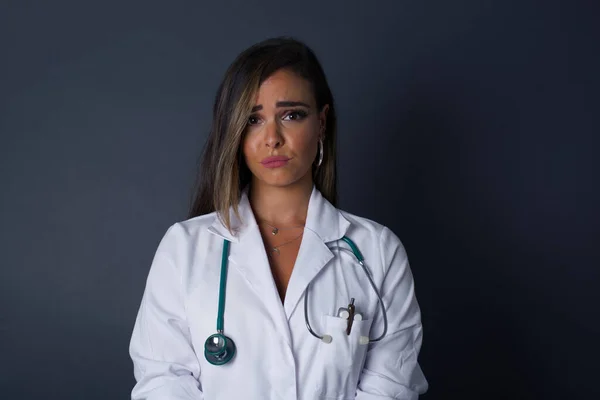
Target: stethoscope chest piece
<point>219,349</point>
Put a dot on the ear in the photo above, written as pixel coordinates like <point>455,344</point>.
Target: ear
<point>323,120</point>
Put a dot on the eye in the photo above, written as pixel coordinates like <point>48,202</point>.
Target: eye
<point>253,120</point>
<point>296,115</point>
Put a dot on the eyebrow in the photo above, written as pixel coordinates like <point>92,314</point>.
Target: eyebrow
<point>283,104</point>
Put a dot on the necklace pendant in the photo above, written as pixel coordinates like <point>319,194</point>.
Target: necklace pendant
<point>275,231</point>
<point>276,250</point>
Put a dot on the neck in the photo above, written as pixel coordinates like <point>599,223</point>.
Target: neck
<point>280,206</point>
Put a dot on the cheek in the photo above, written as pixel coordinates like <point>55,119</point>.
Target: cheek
<point>307,145</point>
<point>248,147</point>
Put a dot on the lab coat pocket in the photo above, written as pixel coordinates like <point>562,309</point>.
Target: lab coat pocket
<point>340,362</point>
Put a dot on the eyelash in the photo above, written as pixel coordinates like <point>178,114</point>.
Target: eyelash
<point>300,115</point>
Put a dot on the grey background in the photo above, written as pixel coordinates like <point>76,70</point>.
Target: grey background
<point>468,127</point>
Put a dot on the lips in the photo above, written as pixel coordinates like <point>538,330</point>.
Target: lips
<point>275,161</point>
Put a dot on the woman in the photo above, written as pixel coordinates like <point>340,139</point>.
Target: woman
<point>263,249</point>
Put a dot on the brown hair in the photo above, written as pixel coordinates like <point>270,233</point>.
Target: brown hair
<point>223,173</point>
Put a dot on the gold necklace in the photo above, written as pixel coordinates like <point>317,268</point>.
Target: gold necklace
<point>275,249</point>
<point>275,229</point>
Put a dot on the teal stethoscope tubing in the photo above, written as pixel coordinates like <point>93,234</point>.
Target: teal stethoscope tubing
<point>222,286</point>
<point>220,349</point>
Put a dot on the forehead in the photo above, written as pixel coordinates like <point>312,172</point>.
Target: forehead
<point>284,85</point>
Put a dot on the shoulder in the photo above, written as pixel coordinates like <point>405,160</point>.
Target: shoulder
<point>362,224</point>
<point>196,225</point>
<point>380,246</point>
<point>184,233</point>
<point>376,233</point>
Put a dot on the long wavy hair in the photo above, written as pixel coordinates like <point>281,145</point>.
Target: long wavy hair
<point>223,173</point>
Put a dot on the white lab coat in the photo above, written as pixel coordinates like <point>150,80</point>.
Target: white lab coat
<point>277,357</point>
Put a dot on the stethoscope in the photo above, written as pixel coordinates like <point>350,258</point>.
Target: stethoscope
<point>220,349</point>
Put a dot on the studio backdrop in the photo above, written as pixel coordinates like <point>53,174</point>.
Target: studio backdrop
<point>470,128</point>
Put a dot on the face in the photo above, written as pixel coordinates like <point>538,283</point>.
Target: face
<point>281,139</point>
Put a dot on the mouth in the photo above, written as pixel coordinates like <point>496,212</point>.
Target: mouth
<point>275,161</point>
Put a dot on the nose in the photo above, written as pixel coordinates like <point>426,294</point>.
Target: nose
<point>273,136</point>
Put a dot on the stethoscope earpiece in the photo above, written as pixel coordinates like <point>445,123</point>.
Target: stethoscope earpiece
<point>219,349</point>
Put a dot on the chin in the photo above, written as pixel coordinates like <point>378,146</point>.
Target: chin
<point>280,181</point>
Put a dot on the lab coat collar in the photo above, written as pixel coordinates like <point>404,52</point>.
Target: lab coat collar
<point>324,223</point>
<point>322,219</point>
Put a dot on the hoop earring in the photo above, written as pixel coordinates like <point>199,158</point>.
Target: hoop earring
<point>320,153</point>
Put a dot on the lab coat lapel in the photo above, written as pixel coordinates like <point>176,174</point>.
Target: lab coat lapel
<point>247,255</point>
<point>324,224</point>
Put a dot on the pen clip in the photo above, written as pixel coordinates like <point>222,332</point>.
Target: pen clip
<point>351,311</point>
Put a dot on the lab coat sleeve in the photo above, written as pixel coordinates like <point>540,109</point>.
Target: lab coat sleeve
<point>391,370</point>
<point>165,364</point>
